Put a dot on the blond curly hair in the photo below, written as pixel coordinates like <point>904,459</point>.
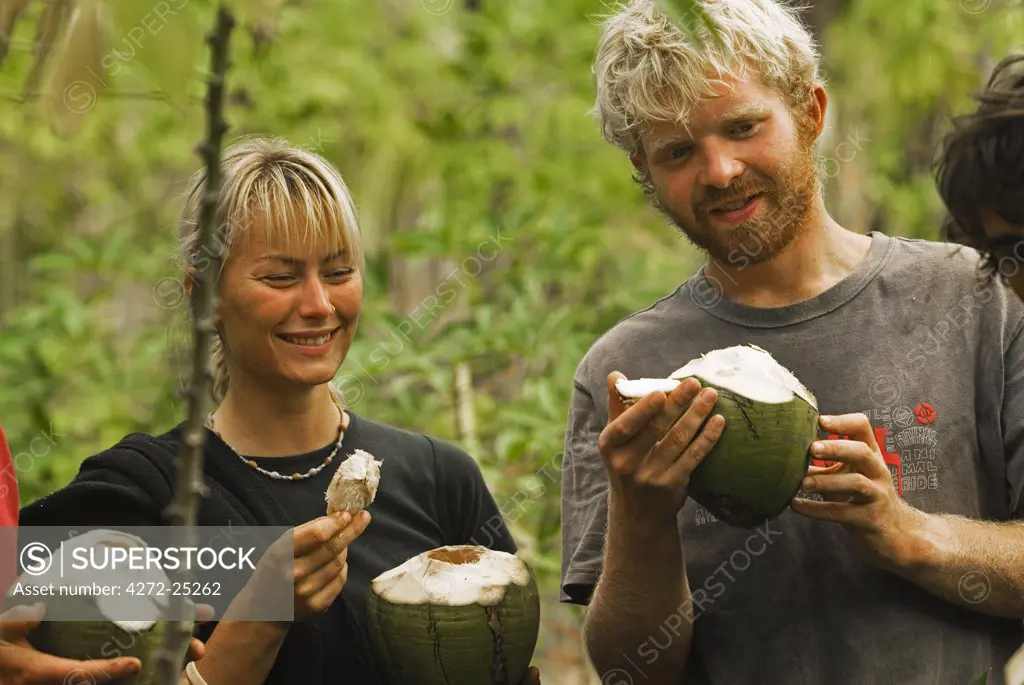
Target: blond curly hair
<point>648,70</point>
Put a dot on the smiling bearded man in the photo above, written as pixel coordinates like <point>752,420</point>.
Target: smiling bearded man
<point>905,563</point>
<point>758,213</point>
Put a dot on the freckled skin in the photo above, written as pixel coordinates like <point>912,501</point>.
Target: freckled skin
<point>261,299</point>
<point>768,151</point>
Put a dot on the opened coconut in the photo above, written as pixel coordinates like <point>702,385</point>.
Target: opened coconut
<point>453,615</point>
<point>82,622</point>
<point>756,467</point>
<point>354,485</point>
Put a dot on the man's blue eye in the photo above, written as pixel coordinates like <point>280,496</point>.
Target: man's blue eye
<point>679,151</point>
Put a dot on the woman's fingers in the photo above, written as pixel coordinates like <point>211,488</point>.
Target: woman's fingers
<point>323,599</point>
<point>328,549</point>
<point>313,571</point>
<point>196,649</point>
<point>311,536</point>
<point>314,582</point>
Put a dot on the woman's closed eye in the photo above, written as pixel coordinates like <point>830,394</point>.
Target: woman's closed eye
<point>340,273</point>
<point>284,279</point>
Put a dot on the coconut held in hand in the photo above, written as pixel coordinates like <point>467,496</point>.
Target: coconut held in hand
<point>354,485</point>
<point>454,615</point>
<point>85,622</point>
<point>756,467</point>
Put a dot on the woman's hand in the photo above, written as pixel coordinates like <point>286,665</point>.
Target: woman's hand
<point>321,560</point>
<point>312,559</point>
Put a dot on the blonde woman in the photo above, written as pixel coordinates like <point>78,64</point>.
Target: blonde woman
<point>290,295</point>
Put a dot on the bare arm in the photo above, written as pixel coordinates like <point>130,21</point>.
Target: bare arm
<point>649,451</point>
<point>242,651</point>
<point>643,592</point>
<point>974,564</point>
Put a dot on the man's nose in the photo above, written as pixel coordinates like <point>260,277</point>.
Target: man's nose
<point>721,167</point>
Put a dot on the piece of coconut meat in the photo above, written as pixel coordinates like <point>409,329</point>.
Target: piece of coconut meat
<point>354,485</point>
<point>633,390</point>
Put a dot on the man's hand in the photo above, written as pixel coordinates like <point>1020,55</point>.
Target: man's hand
<point>22,664</point>
<point>650,448</point>
<point>858,492</point>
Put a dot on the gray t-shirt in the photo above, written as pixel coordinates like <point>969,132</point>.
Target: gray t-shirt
<point>933,356</point>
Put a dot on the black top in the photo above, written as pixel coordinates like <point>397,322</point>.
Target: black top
<point>431,494</point>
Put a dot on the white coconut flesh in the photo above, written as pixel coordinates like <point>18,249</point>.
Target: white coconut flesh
<point>641,387</point>
<point>354,485</point>
<point>747,371</point>
<point>133,613</point>
<point>453,576</point>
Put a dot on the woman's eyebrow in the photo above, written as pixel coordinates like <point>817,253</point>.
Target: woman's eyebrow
<point>295,261</point>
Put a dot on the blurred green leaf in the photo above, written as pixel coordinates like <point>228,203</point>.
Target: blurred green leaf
<point>166,39</point>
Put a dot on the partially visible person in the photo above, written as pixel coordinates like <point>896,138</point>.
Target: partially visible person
<point>8,515</point>
<point>980,175</point>
<point>23,664</point>
<point>8,485</point>
<point>20,662</point>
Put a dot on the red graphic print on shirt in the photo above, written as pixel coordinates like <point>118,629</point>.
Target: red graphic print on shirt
<point>925,413</point>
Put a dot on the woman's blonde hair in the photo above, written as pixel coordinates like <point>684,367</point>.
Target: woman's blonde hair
<point>295,196</point>
<point>647,69</point>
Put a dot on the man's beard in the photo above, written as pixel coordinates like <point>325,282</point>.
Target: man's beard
<point>785,214</point>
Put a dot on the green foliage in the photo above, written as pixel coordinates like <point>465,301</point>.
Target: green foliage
<point>898,72</point>
<point>465,138</point>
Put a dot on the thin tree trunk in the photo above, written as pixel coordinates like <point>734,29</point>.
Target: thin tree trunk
<point>183,512</point>
<point>465,410</point>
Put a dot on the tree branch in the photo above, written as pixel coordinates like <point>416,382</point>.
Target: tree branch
<point>184,512</point>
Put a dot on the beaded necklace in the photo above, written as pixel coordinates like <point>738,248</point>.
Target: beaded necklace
<point>295,476</point>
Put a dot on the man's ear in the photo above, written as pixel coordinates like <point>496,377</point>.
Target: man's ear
<point>816,108</point>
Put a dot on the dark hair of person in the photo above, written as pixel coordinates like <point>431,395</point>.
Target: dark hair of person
<point>980,167</point>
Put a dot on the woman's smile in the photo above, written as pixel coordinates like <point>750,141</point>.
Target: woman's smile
<point>311,343</point>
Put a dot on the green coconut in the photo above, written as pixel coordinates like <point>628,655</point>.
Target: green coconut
<point>755,469</point>
<point>454,615</point>
<point>86,625</point>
